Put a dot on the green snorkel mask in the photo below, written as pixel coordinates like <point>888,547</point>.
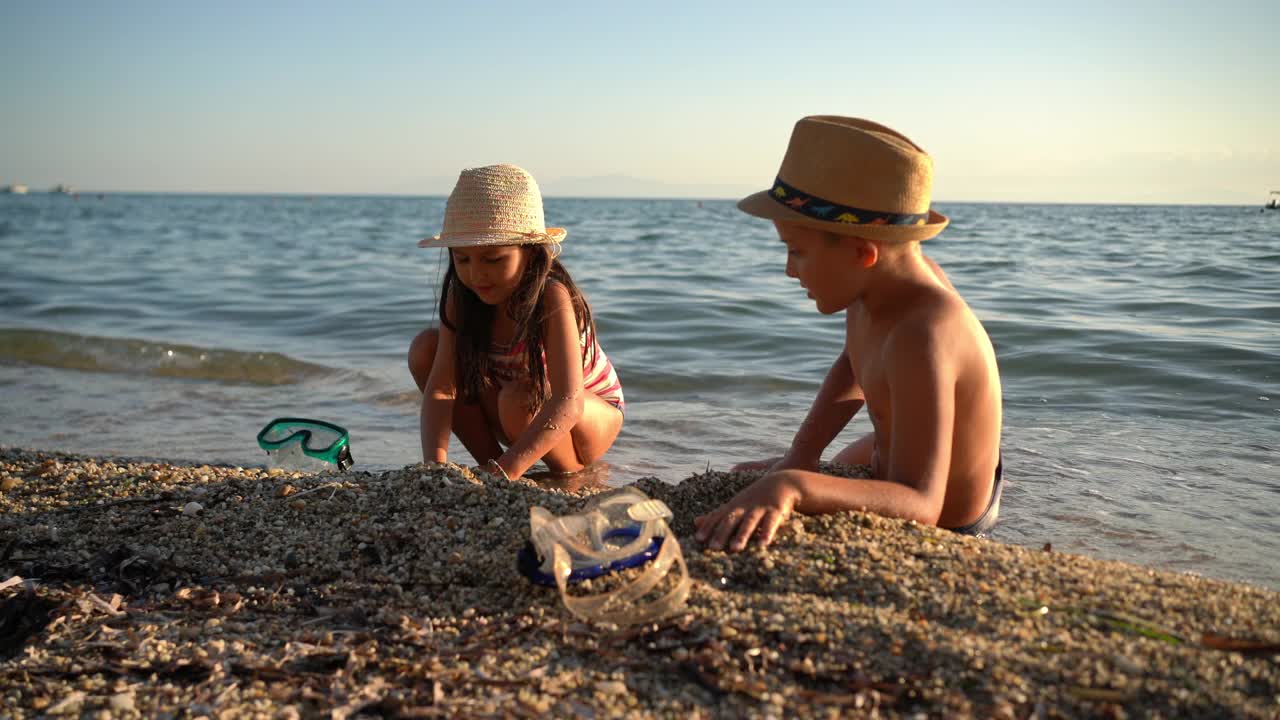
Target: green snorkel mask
<point>314,438</point>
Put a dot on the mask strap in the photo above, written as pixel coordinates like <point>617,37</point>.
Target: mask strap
<point>619,606</point>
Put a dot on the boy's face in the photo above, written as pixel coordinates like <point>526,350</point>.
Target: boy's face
<point>827,268</point>
<point>492,273</point>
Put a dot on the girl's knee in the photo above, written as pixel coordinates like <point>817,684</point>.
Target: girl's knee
<point>422,353</point>
<point>513,409</point>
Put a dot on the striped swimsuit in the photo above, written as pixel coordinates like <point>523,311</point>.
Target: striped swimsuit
<point>598,376</point>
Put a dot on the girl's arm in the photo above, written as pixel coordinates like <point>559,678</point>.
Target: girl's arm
<point>563,408</point>
<point>838,400</point>
<point>435,420</point>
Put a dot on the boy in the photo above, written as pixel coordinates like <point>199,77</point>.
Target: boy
<point>851,203</point>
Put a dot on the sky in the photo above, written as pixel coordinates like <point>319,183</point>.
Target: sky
<point>1111,102</point>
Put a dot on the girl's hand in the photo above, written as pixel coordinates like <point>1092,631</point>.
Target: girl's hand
<point>493,467</point>
<point>759,509</point>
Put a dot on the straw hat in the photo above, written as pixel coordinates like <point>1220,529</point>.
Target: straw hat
<point>494,205</point>
<point>852,177</point>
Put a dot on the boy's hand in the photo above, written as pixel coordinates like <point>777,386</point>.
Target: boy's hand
<point>759,509</point>
<point>785,462</point>
<point>755,465</point>
<point>795,462</point>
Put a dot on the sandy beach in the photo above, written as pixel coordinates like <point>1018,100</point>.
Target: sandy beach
<point>141,589</point>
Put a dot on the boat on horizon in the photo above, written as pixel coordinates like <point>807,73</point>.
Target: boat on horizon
<point>15,189</point>
<point>1274,202</point>
<point>62,189</point>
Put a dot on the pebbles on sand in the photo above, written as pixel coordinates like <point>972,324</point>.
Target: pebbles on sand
<point>161,590</point>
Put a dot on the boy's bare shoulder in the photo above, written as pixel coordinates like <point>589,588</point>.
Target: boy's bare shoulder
<point>938,323</point>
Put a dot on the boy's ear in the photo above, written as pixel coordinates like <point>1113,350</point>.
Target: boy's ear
<point>868,252</point>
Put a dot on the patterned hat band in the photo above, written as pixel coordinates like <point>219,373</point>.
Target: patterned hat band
<point>513,236</point>
<point>819,209</point>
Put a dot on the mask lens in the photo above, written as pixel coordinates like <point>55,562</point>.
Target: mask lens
<point>318,439</point>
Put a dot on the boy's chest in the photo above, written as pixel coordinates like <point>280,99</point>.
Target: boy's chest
<point>864,347</point>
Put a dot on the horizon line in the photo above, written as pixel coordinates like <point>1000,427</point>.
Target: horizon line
<point>689,198</point>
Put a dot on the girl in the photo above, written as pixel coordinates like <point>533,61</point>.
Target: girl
<point>515,362</point>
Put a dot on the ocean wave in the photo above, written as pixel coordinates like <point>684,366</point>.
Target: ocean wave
<point>88,353</point>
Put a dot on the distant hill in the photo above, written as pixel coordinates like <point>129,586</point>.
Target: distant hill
<point>606,186</point>
<point>624,186</point>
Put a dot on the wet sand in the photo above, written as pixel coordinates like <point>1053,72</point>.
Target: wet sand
<point>139,589</point>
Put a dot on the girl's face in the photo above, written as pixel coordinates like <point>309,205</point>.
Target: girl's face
<point>493,273</point>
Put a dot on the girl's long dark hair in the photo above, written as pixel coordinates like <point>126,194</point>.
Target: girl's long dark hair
<point>526,308</point>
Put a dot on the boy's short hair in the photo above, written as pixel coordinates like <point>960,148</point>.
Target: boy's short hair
<point>855,177</point>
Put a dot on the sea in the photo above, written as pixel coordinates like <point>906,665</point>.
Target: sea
<point>1139,346</point>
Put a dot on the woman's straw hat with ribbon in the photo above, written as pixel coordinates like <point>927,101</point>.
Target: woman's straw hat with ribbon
<point>852,177</point>
<point>494,205</point>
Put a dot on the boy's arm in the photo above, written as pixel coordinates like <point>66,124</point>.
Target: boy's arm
<point>920,369</point>
<point>838,400</point>
<point>921,377</point>
<point>435,419</point>
<point>923,373</point>
<point>563,408</point>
